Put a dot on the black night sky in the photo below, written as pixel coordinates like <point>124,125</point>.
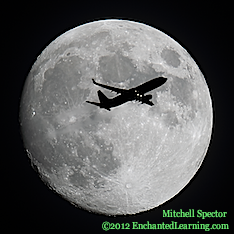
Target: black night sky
<point>202,32</point>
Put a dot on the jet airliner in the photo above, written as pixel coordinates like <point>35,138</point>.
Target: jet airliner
<point>126,95</point>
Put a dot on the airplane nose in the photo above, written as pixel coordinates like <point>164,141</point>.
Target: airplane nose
<point>162,80</point>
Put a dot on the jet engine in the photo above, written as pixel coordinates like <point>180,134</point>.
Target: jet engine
<point>148,97</point>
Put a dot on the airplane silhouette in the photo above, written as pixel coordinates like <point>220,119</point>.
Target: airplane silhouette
<point>126,95</point>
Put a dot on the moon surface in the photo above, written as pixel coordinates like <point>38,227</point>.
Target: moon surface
<point>135,157</point>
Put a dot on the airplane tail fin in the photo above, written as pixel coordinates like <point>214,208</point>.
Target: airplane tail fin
<point>102,97</point>
<point>103,101</point>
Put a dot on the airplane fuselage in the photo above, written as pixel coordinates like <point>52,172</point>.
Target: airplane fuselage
<point>122,98</point>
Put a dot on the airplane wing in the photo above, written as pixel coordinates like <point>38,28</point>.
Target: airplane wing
<point>150,85</point>
<point>117,90</point>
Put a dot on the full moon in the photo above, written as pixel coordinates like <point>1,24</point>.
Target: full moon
<point>134,157</point>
